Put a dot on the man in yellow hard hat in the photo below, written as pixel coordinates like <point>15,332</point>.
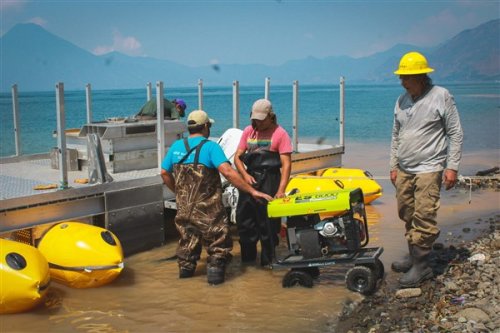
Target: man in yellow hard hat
<point>426,149</point>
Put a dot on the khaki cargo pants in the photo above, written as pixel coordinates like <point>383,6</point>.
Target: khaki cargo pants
<point>418,202</point>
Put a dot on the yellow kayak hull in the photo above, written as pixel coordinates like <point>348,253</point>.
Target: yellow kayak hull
<point>24,277</point>
<point>336,179</point>
<point>82,255</point>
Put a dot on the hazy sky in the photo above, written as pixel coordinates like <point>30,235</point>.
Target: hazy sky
<point>201,32</point>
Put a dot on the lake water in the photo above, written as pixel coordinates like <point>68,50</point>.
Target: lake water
<point>368,112</point>
<point>149,297</point>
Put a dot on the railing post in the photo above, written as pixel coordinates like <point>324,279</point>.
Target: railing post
<point>61,135</point>
<point>295,142</point>
<point>88,98</point>
<point>267,84</point>
<point>17,129</point>
<point>160,123</point>
<point>200,94</point>
<point>236,104</point>
<point>149,94</point>
<point>342,111</point>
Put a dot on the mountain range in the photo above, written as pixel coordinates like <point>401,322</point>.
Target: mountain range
<point>36,60</point>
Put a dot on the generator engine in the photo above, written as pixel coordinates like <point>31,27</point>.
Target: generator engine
<point>327,228</point>
<point>311,237</point>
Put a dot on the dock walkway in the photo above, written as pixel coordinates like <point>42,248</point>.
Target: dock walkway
<point>132,205</point>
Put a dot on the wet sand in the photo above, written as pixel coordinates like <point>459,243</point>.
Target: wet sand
<point>148,296</point>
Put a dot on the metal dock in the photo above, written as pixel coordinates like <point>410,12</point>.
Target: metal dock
<point>130,203</point>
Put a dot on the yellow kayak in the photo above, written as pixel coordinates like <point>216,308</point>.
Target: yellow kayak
<point>24,277</point>
<point>335,179</point>
<point>82,255</point>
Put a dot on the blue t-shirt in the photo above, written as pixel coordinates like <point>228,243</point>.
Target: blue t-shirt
<point>211,154</point>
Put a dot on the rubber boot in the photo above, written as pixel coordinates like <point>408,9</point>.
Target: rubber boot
<point>266,253</point>
<point>187,271</point>
<point>404,265</point>
<point>419,271</point>
<point>216,274</point>
<point>248,252</point>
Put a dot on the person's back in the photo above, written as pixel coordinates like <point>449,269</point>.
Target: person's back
<point>172,110</point>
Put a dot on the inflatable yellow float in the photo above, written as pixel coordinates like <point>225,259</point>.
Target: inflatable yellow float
<point>24,276</point>
<point>81,255</point>
<point>336,179</point>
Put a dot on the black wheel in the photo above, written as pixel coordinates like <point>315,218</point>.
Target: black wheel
<point>377,267</point>
<point>313,271</point>
<point>297,277</point>
<point>361,279</point>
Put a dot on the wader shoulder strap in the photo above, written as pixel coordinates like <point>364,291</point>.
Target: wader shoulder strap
<point>186,144</point>
<point>190,150</point>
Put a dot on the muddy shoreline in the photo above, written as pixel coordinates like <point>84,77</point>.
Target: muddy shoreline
<point>463,296</point>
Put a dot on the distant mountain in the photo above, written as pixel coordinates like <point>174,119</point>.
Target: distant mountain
<point>36,59</point>
<point>471,55</point>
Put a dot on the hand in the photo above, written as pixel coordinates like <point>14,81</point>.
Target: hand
<point>249,179</point>
<point>393,176</point>
<point>449,178</point>
<point>259,196</point>
<point>279,194</point>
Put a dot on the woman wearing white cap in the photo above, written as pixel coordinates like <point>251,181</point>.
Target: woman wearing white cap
<point>263,158</point>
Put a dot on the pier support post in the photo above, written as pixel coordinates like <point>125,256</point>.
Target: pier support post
<point>342,111</point>
<point>149,94</point>
<point>200,94</point>
<point>267,85</point>
<point>15,110</point>
<point>160,123</point>
<point>295,108</point>
<point>88,99</point>
<point>236,104</point>
<point>61,135</point>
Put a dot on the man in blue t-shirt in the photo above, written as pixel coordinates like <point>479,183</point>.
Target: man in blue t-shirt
<point>192,170</point>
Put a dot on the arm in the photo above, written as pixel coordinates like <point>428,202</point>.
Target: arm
<point>168,179</point>
<point>235,179</point>
<point>286,168</point>
<point>454,132</point>
<point>393,164</point>
<point>241,167</point>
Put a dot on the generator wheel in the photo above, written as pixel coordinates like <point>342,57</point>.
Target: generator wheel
<point>361,279</point>
<point>297,277</point>
<point>377,267</point>
<point>313,271</point>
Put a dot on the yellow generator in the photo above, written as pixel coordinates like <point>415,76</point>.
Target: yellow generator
<point>327,228</point>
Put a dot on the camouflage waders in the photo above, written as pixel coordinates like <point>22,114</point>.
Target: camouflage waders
<point>201,217</point>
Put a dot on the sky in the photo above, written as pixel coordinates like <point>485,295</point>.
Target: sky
<point>270,32</point>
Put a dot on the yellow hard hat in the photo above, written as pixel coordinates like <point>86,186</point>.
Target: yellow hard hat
<point>413,63</point>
